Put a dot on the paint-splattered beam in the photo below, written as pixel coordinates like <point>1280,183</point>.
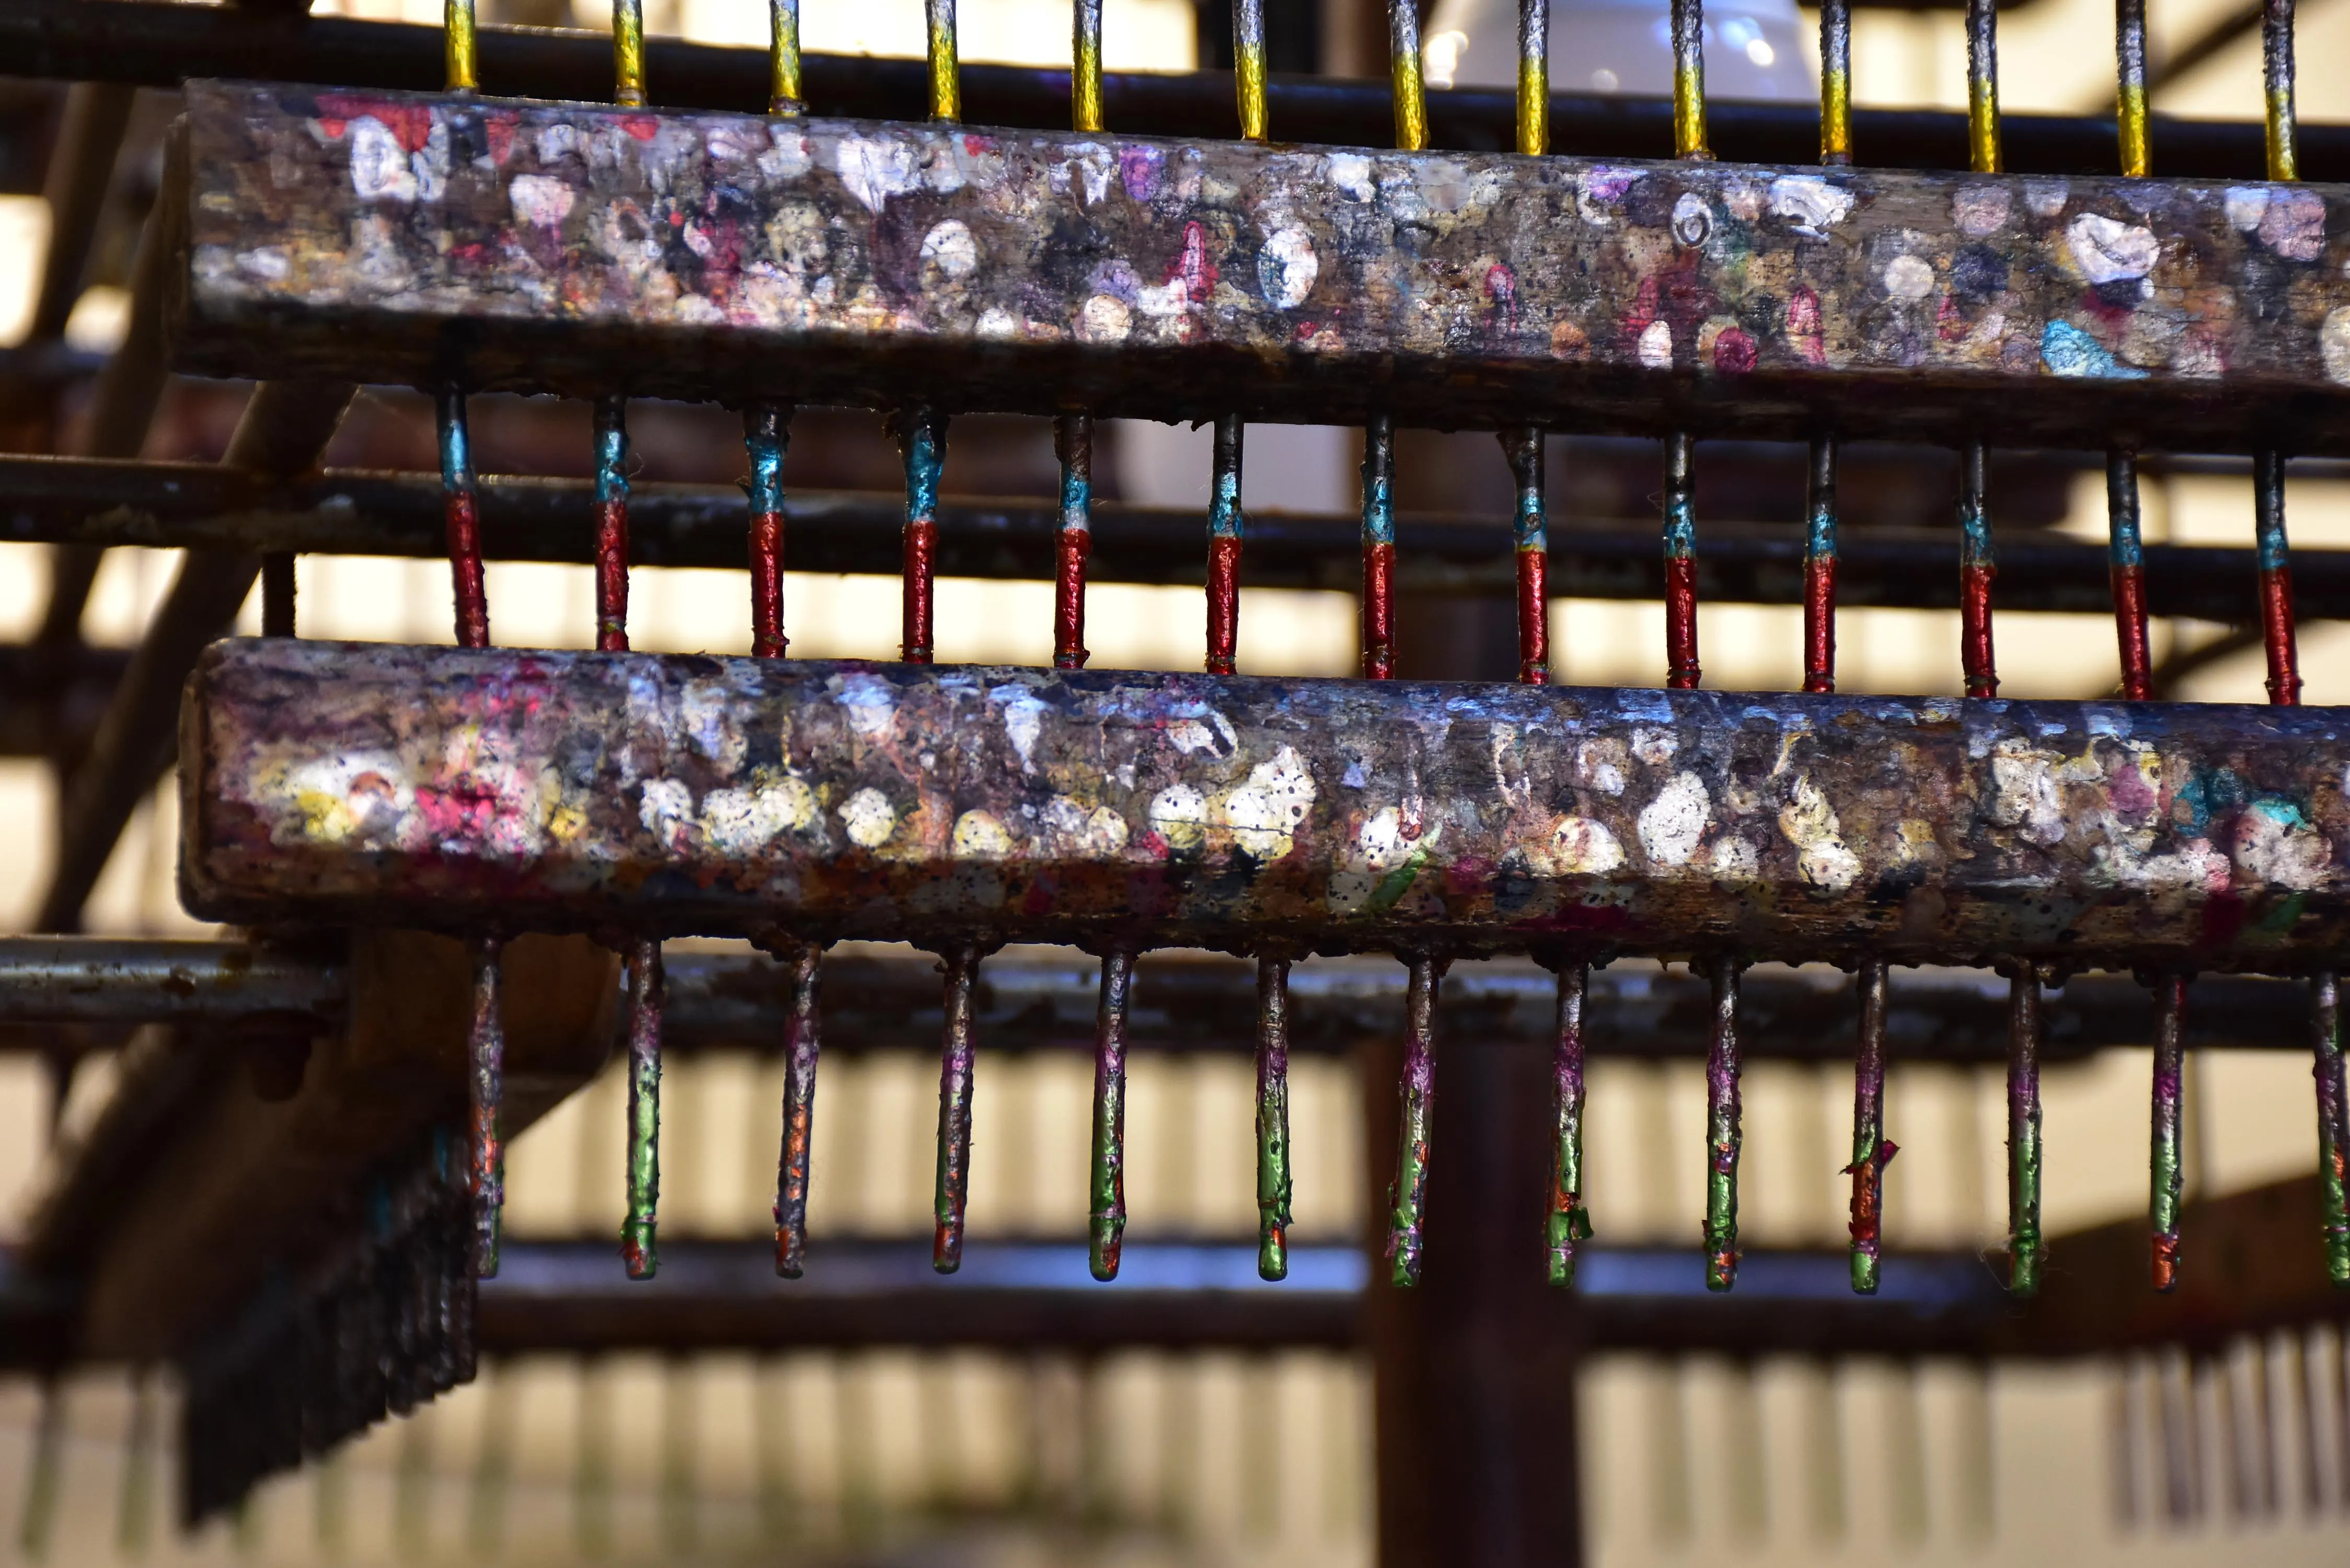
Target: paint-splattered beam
<point>688,794</point>
<point>413,237</point>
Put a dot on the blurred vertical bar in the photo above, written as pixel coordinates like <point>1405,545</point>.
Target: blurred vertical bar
<point>2129,99</point>
<point>2278,637</point>
<point>1689,79</point>
<point>628,52</point>
<point>2277,80</point>
<point>766,435</point>
<point>784,89</point>
<point>464,523</point>
<point>1248,66</point>
<point>1073,442</point>
<point>956,1060</point>
<point>1723,1134</point>
<point>1106,1216</point>
<point>1533,77</point>
<point>921,436</point>
<point>1982,86</point>
<point>946,79</point>
<point>611,515</point>
<point>1870,1151</point>
<point>802,1047</point>
<point>1977,566</point>
<point>485,1085</point>
<point>1379,545</point>
<point>1408,1200</point>
<point>647,994</point>
<point>1681,670</point>
<point>1568,1222</point>
<point>1835,81</point>
<point>2332,1136</point>
<point>1086,65</point>
<point>1224,520</point>
<point>1273,1172</point>
<point>1820,569</point>
<point>1403,75</point>
<point>2024,1250</point>
<point>1523,444</point>
<point>2168,1164</point>
<point>457,46</point>
<point>2126,566</point>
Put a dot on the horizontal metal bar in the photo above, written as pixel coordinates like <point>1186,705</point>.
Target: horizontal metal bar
<point>456,789</point>
<point>883,265</point>
<point>113,979</point>
<point>162,44</point>
<point>354,512</point>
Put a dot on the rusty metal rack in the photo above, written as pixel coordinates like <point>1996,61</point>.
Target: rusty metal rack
<point>451,857</point>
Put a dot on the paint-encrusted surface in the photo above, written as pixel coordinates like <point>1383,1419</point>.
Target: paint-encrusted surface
<point>583,249</point>
<point>451,788</point>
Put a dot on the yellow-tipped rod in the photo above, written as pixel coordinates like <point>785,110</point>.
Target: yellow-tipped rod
<point>2276,73</point>
<point>457,45</point>
<point>946,80</point>
<point>1835,81</point>
<point>1248,66</point>
<point>1084,66</point>
<point>1533,77</point>
<point>2129,101</point>
<point>783,92</point>
<point>1689,79</point>
<point>1403,65</point>
<point>628,52</point>
<point>1982,86</point>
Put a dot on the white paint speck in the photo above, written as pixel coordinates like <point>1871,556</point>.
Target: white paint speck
<point>1908,277</point>
<point>950,247</point>
<point>1672,823</point>
<point>2110,252</point>
<point>1657,345</point>
<point>540,200</point>
<point>869,817</point>
<point>1286,269</point>
<point>1264,813</point>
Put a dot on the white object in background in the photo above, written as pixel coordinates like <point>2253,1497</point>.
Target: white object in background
<point>1755,49</point>
<point>1283,468</point>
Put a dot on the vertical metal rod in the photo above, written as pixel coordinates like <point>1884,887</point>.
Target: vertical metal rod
<point>2127,558</point>
<point>802,1045</point>
<point>457,46</point>
<point>1689,79</point>
<point>1404,74</point>
<point>2168,1165</point>
<point>1523,445</point>
<point>946,79</point>
<point>1977,566</point>
<point>647,994</point>
<point>1273,1175</point>
<point>2277,633</point>
<point>2333,1130</point>
<point>1107,1214</point>
<point>2129,102</point>
<point>1871,1153</point>
<point>463,517</point>
<point>1723,1133</point>
<point>485,1090</point>
<point>1533,77</point>
<point>922,437</point>
<point>2025,1248</point>
<point>1379,545</point>
<point>1982,86</point>
<point>628,52</point>
<point>784,89</point>
<point>1820,569</point>
<point>766,435</point>
<point>1248,66</point>
<point>277,592</point>
<point>1224,548</point>
<point>1681,670</point>
<point>1086,65</point>
<point>1568,1222</point>
<point>1408,1199</point>
<point>611,514</point>
<point>1835,81</point>
<point>2276,79</point>
<point>956,1054</point>
<point>1073,439</point>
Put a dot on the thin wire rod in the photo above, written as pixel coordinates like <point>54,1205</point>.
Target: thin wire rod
<point>1106,1215</point>
<point>628,52</point>
<point>786,98</point>
<point>463,514</point>
<point>1568,1222</point>
<point>1982,86</point>
<point>647,994</point>
<point>923,439</point>
<point>2277,633</point>
<point>2276,79</point>
<point>1404,72</point>
<point>2332,1125</point>
<point>946,78</point>
<point>1977,566</point>
<point>2025,1249</point>
<point>1378,545</point>
<point>1073,442</point>
<point>1224,522</point>
<point>957,1054</point>
<point>1835,81</point>
<point>2129,98</point>
<point>611,510</point>
<point>2126,566</point>
<point>1408,1199</point>
<point>803,1043</point>
<point>1248,66</point>
<point>1681,670</point>
<point>1533,77</point>
<point>1870,1150</point>
<point>1523,445</point>
<point>1689,79</point>
<point>277,593</point>
<point>457,47</point>
<point>1273,1172</point>
<point>766,436</point>
<point>486,1092</point>
<point>1820,568</point>
<point>1723,1132</point>
<point>2167,1164</point>
<point>1086,65</point>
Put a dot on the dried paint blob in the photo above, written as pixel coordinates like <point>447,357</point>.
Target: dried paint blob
<point>869,819</point>
<point>951,249</point>
<point>2108,252</point>
<point>1657,345</point>
<point>1105,318</point>
<point>2293,224</point>
<point>1809,203</point>
<point>1286,269</point>
<point>1672,823</point>
<point>1979,210</point>
<point>1908,277</point>
<point>540,200</point>
<point>1692,219</point>
<point>2333,345</point>
<point>2067,350</point>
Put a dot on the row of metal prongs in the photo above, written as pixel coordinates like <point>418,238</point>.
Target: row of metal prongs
<point>921,433</point>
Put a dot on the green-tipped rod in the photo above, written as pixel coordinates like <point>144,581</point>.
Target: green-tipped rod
<point>1870,1151</point>
<point>2167,1168</point>
<point>957,1054</point>
<point>803,962</point>
<point>1723,1134</point>
<point>2333,1120</point>
<point>1568,1221</point>
<point>1106,1218</point>
<point>1408,1199</point>
<point>647,992</point>
<point>485,1091</point>
<point>1273,1185</point>
<point>2025,1249</point>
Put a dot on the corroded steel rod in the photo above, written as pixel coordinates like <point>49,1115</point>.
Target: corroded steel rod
<point>1835,82</point>
<point>462,522</point>
<point>1689,79</point>
<point>803,1043</point>
<point>1820,568</point>
<point>1681,670</point>
<point>2332,1122</point>
<point>1378,544</point>
<point>611,515</point>
<point>1106,1211</point>
<point>766,435</point>
<point>2168,1161</point>
<point>1568,1222</point>
<point>1073,442</point>
<point>1272,1171</point>
<point>2275,552</point>
<point>2276,81</point>
<point>1723,1133</point>
<point>1978,565</point>
<point>2128,557</point>
<point>639,1250</point>
<point>1530,534</point>
<point>2025,1249</point>
<point>457,49</point>
<point>945,74</point>
<point>1224,521</point>
<point>923,437</point>
<point>628,52</point>
<point>1533,77</point>
<point>2130,95</point>
<point>485,1089</point>
<point>1871,1151</point>
<point>786,96</point>
<point>1982,86</point>
<point>957,1055</point>
<point>1248,66</point>
<point>1416,1094</point>
<point>1086,65</point>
